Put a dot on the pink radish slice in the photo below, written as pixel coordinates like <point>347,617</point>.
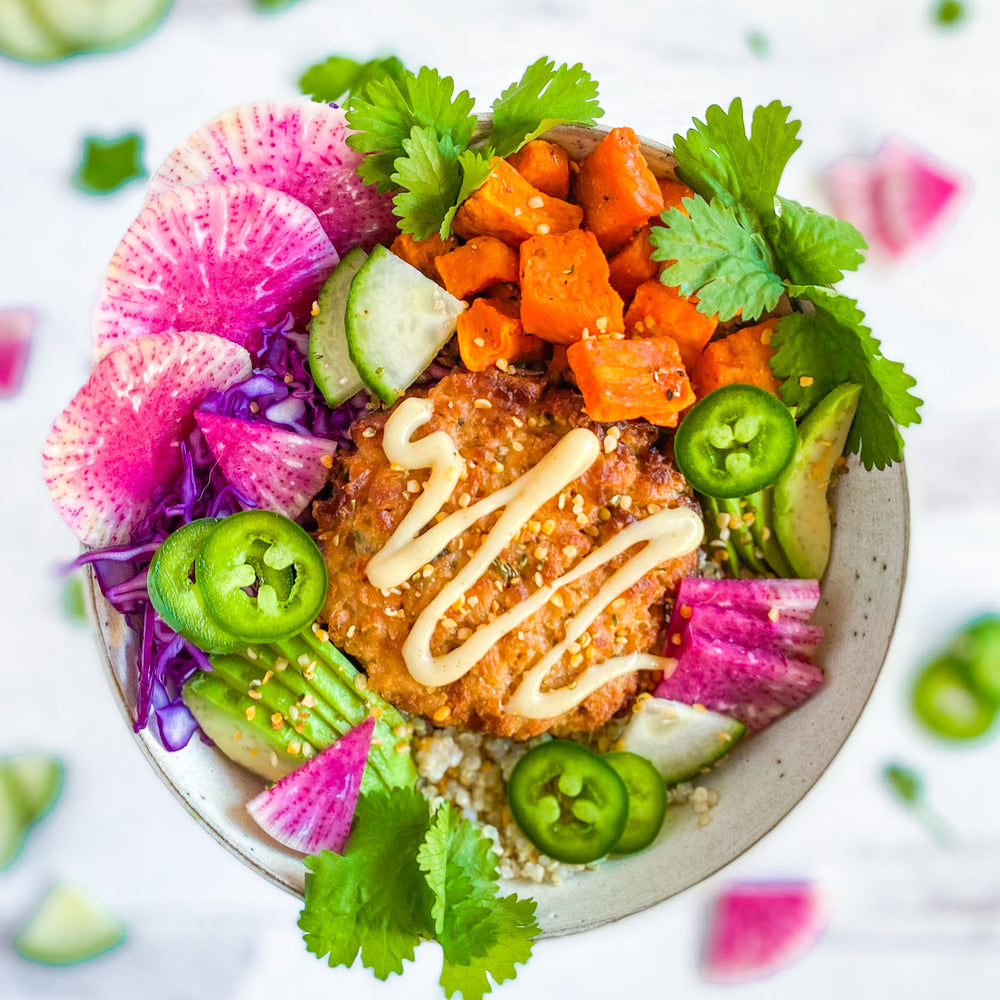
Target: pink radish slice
<point>312,808</point>
<point>225,258</point>
<point>757,928</point>
<point>16,329</point>
<point>118,441</point>
<point>278,469</point>
<point>299,148</point>
<point>755,631</point>
<point>796,599</point>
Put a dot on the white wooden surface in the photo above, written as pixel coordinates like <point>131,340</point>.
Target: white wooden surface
<point>908,917</point>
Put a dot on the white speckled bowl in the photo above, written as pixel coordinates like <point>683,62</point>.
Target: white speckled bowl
<point>763,779</point>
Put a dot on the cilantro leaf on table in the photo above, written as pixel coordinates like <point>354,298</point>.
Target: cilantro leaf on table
<point>814,249</point>
<point>726,264</point>
<point>835,346</point>
<point>717,159</point>
<point>544,97</point>
<point>109,164</point>
<point>341,76</point>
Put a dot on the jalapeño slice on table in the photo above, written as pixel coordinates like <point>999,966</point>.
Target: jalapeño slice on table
<point>570,804</point>
<point>735,441</point>
<point>647,800</point>
<point>242,570</point>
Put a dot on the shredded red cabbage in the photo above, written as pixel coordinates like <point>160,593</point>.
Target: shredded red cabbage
<point>280,391</point>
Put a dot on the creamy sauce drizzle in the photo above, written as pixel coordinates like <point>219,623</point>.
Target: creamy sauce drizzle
<point>668,534</point>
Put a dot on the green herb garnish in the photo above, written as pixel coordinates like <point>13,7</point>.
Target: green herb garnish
<point>908,788</point>
<point>109,164</point>
<point>340,76</point>
<point>409,874</point>
<point>742,246</point>
<point>948,12</point>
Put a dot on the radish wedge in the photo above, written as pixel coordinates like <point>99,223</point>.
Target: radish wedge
<point>329,360</point>
<point>795,599</point>
<point>70,926</point>
<point>755,631</point>
<point>757,928</point>
<point>299,148</point>
<point>311,809</point>
<point>228,259</point>
<point>278,470</point>
<point>397,321</point>
<point>16,329</point>
<point>118,441</point>
<point>679,741</point>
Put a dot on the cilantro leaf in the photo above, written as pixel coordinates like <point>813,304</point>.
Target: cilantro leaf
<point>835,346</point>
<point>476,166</point>
<point>430,177</point>
<point>387,110</point>
<point>337,76</point>
<point>433,860</point>
<point>814,249</point>
<point>717,159</point>
<point>109,164</point>
<point>543,98</point>
<point>729,266</point>
<point>373,899</point>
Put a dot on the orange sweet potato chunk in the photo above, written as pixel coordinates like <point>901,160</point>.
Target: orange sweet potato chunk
<point>673,193</point>
<point>626,379</point>
<point>617,190</point>
<point>544,165</point>
<point>489,332</point>
<point>633,265</point>
<point>422,254</point>
<point>565,288</point>
<point>507,207</point>
<point>658,311</point>
<point>476,265</point>
<point>743,356</point>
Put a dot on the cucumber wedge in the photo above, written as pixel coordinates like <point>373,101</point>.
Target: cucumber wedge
<point>397,321</point>
<point>678,739</point>
<point>29,786</point>
<point>70,926</point>
<point>329,360</point>
<point>23,37</point>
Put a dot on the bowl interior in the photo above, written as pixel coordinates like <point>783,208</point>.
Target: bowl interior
<point>762,780</point>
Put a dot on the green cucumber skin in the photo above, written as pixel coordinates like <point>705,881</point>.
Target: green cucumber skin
<point>329,359</point>
<point>30,784</point>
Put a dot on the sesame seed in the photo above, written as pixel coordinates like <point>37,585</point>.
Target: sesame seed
<point>601,323</point>
<point>542,230</point>
<point>675,639</point>
<point>427,571</point>
<point>483,404</point>
<point>610,443</point>
<point>326,461</point>
<point>498,466</point>
<point>549,526</point>
<point>502,364</point>
<point>250,713</point>
<point>774,614</point>
<point>277,720</point>
<point>280,664</point>
<point>402,746</point>
<point>464,500</point>
<point>574,647</point>
<point>360,682</point>
<point>479,342</point>
<point>653,508</point>
<point>686,610</point>
<point>517,446</point>
<point>538,579</point>
<point>351,631</point>
<point>255,694</point>
<point>518,422</point>
<point>805,381</point>
<point>536,201</point>
<point>570,551</point>
<point>582,519</point>
<point>463,633</point>
<point>534,527</point>
<point>557,600</point>
<point>294,747</point>
<point>441,714</point>
<point>625,503</point>
<point>540,552</point>
<point>576,660</point>
<point>369,432</point>
<point>413,486</point>
<point>314,310</point>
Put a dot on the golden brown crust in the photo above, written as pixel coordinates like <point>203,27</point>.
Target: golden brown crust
<point>499,442</point>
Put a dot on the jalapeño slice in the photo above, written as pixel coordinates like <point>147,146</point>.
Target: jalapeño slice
<point>177,598</point>
<point>243,571</point>
<point>735,441</point>
<point>647,800</point>
<point>570,804</point>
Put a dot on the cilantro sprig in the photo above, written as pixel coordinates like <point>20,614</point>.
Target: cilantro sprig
<point>419,133</point>
<point>409,874</point>
<point>741,246</point>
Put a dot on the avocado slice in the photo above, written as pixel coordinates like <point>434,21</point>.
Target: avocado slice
<point>801,511</point>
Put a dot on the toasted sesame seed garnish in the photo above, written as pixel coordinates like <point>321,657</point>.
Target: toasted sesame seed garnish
<point>360,682</point>
<point>427,571</point>
<point>369,432</point>
<point>483,404</point>
<point>393,467</point>
<point>273,758</point>
<point>402,746</point>
<point>610,443</point>
<point>314,309</point>
<point>479,342</point>
<point>576,660</point>
<point>294,747</point>
<point>254,693</point>
<point>303,659</point>
<point>557,600</point>
<point>653,508</point>
<point>503,364</point>
<point>625,503</point>
<point>675,639</point>
<point>582,519</point>
<point>805,381</point>
<point>518,422</point>
<point>277,720</point>
<point>309,669</point>
<point>250,712</point>
<point>542,230</point>
<point>538,580</point>
<point>536,201</point>
<point>574,647</point>
<point>570,551</point>
<point>441,714</point>
<point>251,653</point>
<point>540,552</point>
<point>699,707</point>
<point>412,486</point>
<point>326,461</point>
<point>351,631</point>
<point>774,614</point>
<point>601,323</point>
<point>463,633</point>
<point>517,446</point>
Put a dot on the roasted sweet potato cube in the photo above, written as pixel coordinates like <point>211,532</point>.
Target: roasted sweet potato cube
<point>544,165</point>
<point>616,189</point>
<point>659,311</point>
<point>673,193</point>
<point>422,254</point>
<point>507,207</point>
<point>565,291</point>
<point>743,356</point>
<point>626,379</point>
<point>476,265</point>
<point>489,332</point>
<point>633,265</point>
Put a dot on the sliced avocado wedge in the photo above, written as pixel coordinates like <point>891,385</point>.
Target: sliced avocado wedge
<point>801,511</point>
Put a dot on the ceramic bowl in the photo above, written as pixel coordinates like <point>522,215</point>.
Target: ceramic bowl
<point>762,781</point>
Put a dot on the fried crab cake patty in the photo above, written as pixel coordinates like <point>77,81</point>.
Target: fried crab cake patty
<point>503,425</point>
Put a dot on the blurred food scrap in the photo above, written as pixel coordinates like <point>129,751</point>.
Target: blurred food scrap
<point>109,164</point>
<point>948,12</point>
<point>29,786</point>
<point>16,329</point>
<point>908,788</point>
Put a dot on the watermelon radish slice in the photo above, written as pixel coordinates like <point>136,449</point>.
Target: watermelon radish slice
<point>795,599</point>
<point>757,928</point>
<point>898,198</point>
<point>278,470</point>
<point>228,259</point>
<point>755,631</point>
<point>311,809</point>
<point>118,441</point>
<point>299,148</point>
<point>16,329</point>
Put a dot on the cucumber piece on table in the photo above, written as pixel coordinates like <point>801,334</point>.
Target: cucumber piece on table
<point>329,360</point>
<point>678,739</point>
<point>69,927</point>
<point>397,321</point>
<point>29,786</point>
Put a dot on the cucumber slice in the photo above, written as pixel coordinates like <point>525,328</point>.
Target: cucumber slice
<point>24,37</point>
<point>29,786</point>
<point>329,361</point>
<point>397,321</point>
<point>70,926</point>
<point>677,739</point>
<point>14,821</point>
